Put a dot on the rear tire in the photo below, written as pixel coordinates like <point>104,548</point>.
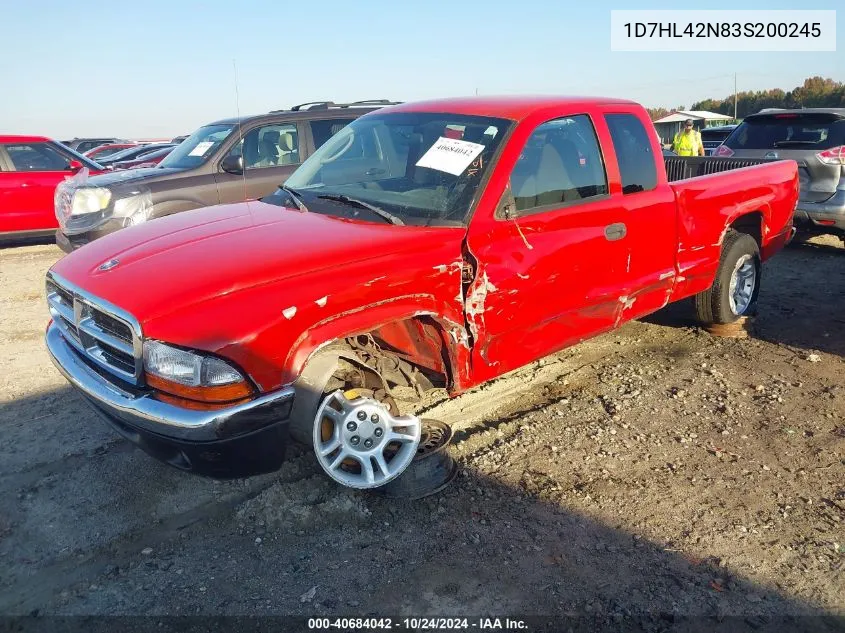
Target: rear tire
<point>737,284</point>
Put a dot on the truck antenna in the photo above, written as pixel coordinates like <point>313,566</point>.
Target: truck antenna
<point>240,133</point>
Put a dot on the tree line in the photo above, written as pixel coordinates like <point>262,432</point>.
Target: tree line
<point>815,92</point>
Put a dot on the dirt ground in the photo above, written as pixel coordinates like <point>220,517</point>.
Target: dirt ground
<point>655,472</point>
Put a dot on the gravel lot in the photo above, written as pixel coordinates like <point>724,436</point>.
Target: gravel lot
<point>654,471</point>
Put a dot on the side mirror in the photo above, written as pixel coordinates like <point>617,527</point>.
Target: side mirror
<point>75,165</point>
<point>233,165</point>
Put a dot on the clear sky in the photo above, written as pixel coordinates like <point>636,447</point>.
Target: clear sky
<point>150,68</point>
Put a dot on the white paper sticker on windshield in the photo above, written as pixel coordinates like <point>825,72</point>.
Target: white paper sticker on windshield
<point>201,148</point>
<point>450,155</point>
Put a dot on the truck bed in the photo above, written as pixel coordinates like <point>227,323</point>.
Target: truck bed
<point>683,167</point>
<point>711,192</point>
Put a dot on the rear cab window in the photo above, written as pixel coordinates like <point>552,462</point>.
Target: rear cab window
<point>323,129</point>
<point>814,131</point>
<point>634,153</point>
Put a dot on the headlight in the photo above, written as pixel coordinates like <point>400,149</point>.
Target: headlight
<point>134,208</point>
<point>191,375</point>
<point>90,200</point>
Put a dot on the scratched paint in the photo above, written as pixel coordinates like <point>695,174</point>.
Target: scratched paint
<point>478,295</point>
<point>322,301</point>
<point>289,312</point>
<point>475,303</point>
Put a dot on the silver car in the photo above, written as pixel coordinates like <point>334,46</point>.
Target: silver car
<point>815,139</point>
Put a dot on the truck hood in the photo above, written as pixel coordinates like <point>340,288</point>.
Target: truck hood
<point>186,258</point>
<point>126,176</point>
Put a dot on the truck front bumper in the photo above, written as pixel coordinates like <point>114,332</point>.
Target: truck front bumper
<point>822,216</point>
<point>236,441</point>
<point>69,243</point>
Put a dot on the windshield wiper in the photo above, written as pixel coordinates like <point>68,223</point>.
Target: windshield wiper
<point>364,205</point>
<point>297,197</point>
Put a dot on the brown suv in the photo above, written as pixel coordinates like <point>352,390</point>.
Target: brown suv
<point>226,161</point>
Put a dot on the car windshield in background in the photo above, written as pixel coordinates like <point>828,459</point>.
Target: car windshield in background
<point>195,149</point>
<point>789,131</point>
<point>126,153</point>
<point>409,168</point>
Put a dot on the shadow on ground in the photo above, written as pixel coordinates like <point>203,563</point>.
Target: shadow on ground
<point>9,244</point>
<point>307,547</point>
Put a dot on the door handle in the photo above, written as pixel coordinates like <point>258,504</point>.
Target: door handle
<point>615,232</point>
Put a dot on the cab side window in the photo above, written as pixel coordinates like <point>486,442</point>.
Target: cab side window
<point>561,164</point>
<point>633,153</point>
<point>269,146</point>
<point>323,130</point>
<point>36,157</point>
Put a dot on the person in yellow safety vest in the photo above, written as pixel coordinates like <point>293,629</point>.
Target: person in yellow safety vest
<point>688,142</point>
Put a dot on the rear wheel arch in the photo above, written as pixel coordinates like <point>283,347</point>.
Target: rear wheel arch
<point>751,223</point>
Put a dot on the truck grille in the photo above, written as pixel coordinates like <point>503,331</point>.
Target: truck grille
<point>103,334</point>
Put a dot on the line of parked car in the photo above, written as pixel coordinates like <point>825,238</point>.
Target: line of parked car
<point>31,168</point>
<point>235,159</point>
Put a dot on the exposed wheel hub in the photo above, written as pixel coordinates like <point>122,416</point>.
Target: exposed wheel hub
<point>360,444</point>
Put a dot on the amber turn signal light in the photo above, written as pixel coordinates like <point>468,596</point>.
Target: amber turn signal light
<point>217,394</point>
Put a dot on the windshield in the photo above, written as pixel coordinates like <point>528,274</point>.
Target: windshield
<point>804,131</point>
<point>195,149</point>
<point>421,168</point>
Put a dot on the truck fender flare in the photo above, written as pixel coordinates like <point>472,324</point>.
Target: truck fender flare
<point>749,208</point>
<point>314,355</point>
<point>362,319</point>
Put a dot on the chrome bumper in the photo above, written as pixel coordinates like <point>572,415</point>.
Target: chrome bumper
<point>142,412</point>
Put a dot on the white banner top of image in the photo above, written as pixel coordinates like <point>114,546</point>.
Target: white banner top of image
<point>723,30</point>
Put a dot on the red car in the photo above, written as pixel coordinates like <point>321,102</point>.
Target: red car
<point>107,150</point>
<point>399,255</point>
<point>30,169</point>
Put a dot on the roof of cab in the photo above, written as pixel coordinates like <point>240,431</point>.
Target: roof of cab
<point>22,138</point>
<point>514,107</point>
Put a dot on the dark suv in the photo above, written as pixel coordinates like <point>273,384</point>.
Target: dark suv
<point>713,136</point>
<point>226,161</point>
<point>815,139</point>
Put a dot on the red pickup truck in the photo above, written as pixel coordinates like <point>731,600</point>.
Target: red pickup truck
<point>432,244</point>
